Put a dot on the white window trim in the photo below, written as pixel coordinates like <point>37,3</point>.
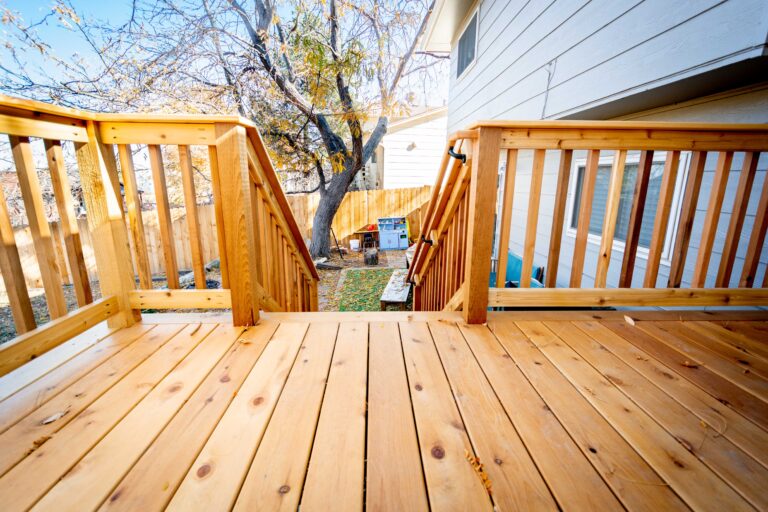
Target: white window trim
<point>618,245</point>
<point>475,12</point>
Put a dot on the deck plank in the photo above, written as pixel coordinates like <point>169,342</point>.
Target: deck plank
<point>675,337</point>
<point>275,479</point>
<point>31,478</point>
<point>516,482</point>
<point>394,477</point>
<point>630,477</point>
<point>753,343</point>
<point>715,343</point>
<point>335,477</point>
<point>715,415</point>
<point>153,480</point>
<point>743,473</point>
<point>690,479</point>
<point>32,396</point>
<point>45,363</point>
<point>722,389</point>
<point>574,482</point>
<point>215,477</point>
<point>42,423</point>
<point>90,481</point>
<point>581,411</point>
<point>452,484</point>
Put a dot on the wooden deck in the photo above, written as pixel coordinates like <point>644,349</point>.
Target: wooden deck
<point>394,411</point>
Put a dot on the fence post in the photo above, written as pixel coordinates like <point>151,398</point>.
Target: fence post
<point>238,209</point>
<point>484,162</point>
<point>109,234</point>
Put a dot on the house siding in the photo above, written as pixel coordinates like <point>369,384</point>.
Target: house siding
<point>404,168</point>
<point>549,59</point>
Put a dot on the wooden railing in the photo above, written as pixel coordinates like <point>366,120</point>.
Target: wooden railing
<point>454,258</point>
<point>265,263</point>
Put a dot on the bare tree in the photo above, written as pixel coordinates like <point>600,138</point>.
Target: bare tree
<point>320,78</point>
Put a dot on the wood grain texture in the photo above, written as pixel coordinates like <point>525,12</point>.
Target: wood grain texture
<point>611,216</point>
<point>135,219</point>
<point>38,341</point>
<point>506,215</point>
<point>13,275</point>
<point>687,215</point>
<point>558,217</point>
<point>107,226</point>
<point>239,232</point>
<point>738,212</point>
<point>532,220</point>
<point>712,218</point>
<point>393,460</point>
<point>164,215</point>
<point>482,186</point>
<point>29,184</point>
<point>451,482</point>
<point>585,214</point>
<point>661,220</point>
<point>343,410</point>
<point>756,240</point>
<point>63,195</point>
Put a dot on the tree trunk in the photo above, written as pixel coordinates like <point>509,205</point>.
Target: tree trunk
<point>320,246</point>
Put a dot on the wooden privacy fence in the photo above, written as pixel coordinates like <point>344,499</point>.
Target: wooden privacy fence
<point>360,208</point>
<point>265,263</point>
<point>357,209</point>
<point>452,263</point>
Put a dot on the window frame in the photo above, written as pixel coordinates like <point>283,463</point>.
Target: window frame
<point>633,157</point>
<point>475,14</point>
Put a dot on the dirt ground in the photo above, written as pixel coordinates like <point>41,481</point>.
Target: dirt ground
<point>329,289</point>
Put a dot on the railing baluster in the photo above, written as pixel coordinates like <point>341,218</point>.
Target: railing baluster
<point>662,218</point>
<point>611,215</point>
<point>63,195</point>
<point>716,196</point>
<point>558,217</point>
<point>534,200</point>
<point>164,216</point>
<point>12,273</point>
<point>506,216</point>
<point>687,215</point>
<point>135,220</point>
<point>218,209</point>
<point>193,221</point>
<point>636,218</point>
<point>739,211</point>
<point>38,224</point>
<point>585,215</point>
<point>756,240</point>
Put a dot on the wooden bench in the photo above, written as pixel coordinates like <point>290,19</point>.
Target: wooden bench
<point>397,290</point>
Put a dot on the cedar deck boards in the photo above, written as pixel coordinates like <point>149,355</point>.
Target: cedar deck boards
<point>395,411</point>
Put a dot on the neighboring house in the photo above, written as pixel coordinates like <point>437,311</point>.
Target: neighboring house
<point>651,60</point>
<point>409,154</point>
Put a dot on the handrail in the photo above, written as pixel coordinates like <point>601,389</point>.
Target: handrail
<point>530,147</point>
<point>239,165</point>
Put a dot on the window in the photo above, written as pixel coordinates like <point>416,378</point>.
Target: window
<point>625,203</point>
<point>467,46</point>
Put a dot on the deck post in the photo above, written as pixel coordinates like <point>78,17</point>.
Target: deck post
<point>105,221</point>
<point>484,162</point>
<point>238,208</point>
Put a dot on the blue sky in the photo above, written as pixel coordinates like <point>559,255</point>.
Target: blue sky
<point>64,41</point>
